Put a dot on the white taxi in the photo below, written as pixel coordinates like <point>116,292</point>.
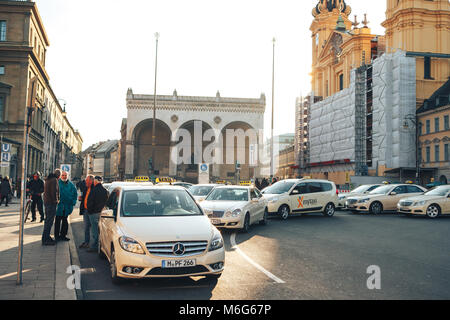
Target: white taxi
<point>201,191</point>
<point>302,196</point>
<point>433,203</point>
<point>154,232</point>
<point>235,207</point>
<point>360,191</point>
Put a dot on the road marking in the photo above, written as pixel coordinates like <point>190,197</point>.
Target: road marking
<point>257,266</point>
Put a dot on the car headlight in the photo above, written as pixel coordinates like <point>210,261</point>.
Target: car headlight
<point>419,203</point>
<point>130,245</point>
<point>233,214</point>
<point>363,200</point>
<point>216,242</point>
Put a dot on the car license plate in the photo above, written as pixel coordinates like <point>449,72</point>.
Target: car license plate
<point>179,263</point>
<point>215,221</point>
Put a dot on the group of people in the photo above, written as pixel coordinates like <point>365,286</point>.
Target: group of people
<point>59,199</point>
<point>5,190</point>
<point>264,183</point>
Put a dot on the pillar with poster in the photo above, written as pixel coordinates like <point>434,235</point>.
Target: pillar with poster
<point>203,173</point>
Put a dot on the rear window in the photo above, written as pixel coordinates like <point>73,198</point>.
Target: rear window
<point>326,186</point>
<point>315,187</point>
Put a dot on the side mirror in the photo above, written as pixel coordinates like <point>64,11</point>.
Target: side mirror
<point>108,214</point>
<point>295,192</point>
<point>255,200</point>
<point>393,193</point>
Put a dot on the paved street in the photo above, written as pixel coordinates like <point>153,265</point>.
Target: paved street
<point>309,257</point>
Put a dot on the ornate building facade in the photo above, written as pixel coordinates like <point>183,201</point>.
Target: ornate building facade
<point>196,115</point>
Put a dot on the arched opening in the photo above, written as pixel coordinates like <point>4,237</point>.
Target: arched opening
<point>189,171</point>
<point>143,148</point>
<point>237,138</point>
<point>443,179</point>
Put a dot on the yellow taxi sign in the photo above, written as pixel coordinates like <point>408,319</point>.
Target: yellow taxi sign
<point>386,182</point>
<point>221,182</point>
<point>307,177</point>
<point>141,179</point>
<point>245,183</point>
<point>165,180</point>
<point>409,182</point>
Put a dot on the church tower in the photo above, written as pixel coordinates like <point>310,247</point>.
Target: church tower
<point>422,29</point>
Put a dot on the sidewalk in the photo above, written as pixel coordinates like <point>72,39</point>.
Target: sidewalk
<point>44,267</point>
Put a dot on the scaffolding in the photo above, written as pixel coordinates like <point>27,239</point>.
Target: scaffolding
<point>360,121</point>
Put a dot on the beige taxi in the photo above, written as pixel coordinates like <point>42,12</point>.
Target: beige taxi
<point>433,203</point>
<point>383,198</point>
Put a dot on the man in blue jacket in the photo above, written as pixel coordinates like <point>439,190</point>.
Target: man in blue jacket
<point>68,199</point>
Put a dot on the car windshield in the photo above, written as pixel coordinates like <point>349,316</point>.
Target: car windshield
<point>381,190</point>
<point>361,189</point>
<point>200,190</point>
<point>228,194</point>
<point>158,203</point>
<point>439,191</point>
<point>279,188</point>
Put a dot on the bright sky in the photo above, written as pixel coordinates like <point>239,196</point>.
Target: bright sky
<point>98,49</point>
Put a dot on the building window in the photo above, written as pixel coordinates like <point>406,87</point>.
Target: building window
<point>419,156</point>
<point>427,68</point>
<point>2,30</point>
<point>446,123</point>
<point>436,124</point>
<point>428,128</point>
<point>437,156</point>
<point>446,152</point>
<point>2,70</point>
<point>2,107</point>
<point>420,128</point>
<point>428,150</point>
<point>341,82</point>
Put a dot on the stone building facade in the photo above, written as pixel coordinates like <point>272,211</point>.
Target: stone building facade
<point>182,112</point>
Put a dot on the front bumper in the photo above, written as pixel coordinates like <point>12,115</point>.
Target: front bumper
<point>228,222</point>
<point>421,210</point>
<point>152,265</point>
<point>359,207</point>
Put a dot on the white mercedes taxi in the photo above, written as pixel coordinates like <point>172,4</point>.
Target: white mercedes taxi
<point>294,196</point>
<point>151,232</point>
<point>433,203</point>
<point>360,191</point>
<point>235,207</point>
<point>201,191</point>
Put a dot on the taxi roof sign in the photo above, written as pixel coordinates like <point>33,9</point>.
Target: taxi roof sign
<point>246,183</point>
<point>141,179</point>
<point>165,180</point>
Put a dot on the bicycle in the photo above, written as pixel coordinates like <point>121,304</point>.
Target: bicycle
<point>27,208</point>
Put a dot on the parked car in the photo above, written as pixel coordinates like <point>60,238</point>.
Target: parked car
<point>433,203</point>
<point>384,198</point>
<point>360,191</point>
<point>185,185</point>
<point>154,232</point>
<point>295,196</point>
<point>201,191</point>
<point>235,207</point>
<point>111,186</point>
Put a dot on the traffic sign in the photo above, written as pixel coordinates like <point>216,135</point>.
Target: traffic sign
<point>6,157</point>
<point>6,147</point>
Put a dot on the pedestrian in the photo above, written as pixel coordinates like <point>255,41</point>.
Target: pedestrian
<point>264,184</point>
<point>5,190</point>
<point>96,201</point>
<point>19,188</point>
<point>67,200</point>
<point>258,184</point>
<point>51,200</point>
<point>36,188</point>
<point>85,188</point>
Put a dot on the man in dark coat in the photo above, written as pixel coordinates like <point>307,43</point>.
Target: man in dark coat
<point>51,200</point>
<point>36,188</point>
<point>85,188</point>
<point>95,203</point>
<point>5,190</point>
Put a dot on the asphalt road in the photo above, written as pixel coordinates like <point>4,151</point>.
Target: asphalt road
<point>305,257</point>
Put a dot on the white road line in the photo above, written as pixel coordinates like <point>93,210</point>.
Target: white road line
<point>257,266</point>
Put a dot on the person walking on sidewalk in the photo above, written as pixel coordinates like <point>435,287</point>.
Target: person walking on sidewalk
<point>96,201</point>
<point>5,190</point>
<point>67,200</point>
<point>85,188</point>
<point>51,200</point>
<point>36,188</point>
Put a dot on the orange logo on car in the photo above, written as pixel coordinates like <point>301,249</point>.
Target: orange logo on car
<point>300,202</point>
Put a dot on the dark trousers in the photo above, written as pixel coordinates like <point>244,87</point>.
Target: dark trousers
<point>3,198</point>
<point>50,212</point>
<point>61,227</point>
<point>37,201</point>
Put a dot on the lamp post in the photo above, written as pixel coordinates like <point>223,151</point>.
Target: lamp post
<point>273,100</point>
<point>153,162</point>
<point>413,118</point>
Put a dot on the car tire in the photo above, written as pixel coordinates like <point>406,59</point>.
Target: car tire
<point>263,222</point>
<point>246,227</point>
<point>115,279</point>
<point>284,212</point>
<point>329,210</point>
<point>433,211</point>
<point>376,208</point>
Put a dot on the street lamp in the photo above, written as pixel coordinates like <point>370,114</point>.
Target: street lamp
<point>153,167</point>
<point>414,120</point>
<point>273,100</point>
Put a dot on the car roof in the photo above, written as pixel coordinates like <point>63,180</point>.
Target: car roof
<point>139,187</point>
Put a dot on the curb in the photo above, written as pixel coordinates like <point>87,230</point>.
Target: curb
<point>75,260</point>
<point>63,262</point>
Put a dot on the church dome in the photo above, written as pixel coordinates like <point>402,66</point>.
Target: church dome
<point>330,5</point>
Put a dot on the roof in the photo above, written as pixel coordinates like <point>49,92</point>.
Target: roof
<point>107,146</point>
<point>440,98</point>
